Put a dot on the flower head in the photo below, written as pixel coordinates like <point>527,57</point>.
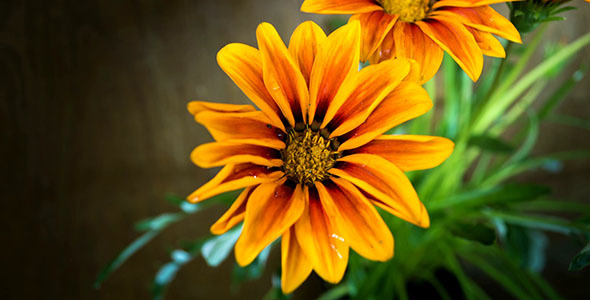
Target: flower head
<point>423,29</point>
<point>313,162</point>
<point>526,15</point>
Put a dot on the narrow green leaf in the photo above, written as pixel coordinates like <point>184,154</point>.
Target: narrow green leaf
<point>490,144</point>
<point>216,249</point>
<point>252,271</point>
<point>159,222</point>
<point>581,260</point>
<point>560,94</point>
<point>505,97</point>
<point>168,271</point>
<point>570,121</point>
<point>547,223</point>
<point>529,142</point>
<point>124,255</point>
<point>338,292</point>
<point>478,232</point>
<point>509,193</point>
<point>531,164</point>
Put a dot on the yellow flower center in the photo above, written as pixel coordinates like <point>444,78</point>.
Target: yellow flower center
<point>309,154</point>
<point>408,10</point>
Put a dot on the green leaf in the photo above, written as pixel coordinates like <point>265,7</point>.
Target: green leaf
<point>167,272</point>
<point>252,271</point>
<point>581,260</point>
<point>531,164</point>
<point>478,232</point>
<point>506,95</point>
<point>490,144</point>
<point>216,249</point>
<point>159,222</point>
<point>123,256</point>
<point>153,226</point>
<point>335,293</point>
<point>541,222</point>
<point>507,194</point>
<point>561,93</point>
<point>527,245</point>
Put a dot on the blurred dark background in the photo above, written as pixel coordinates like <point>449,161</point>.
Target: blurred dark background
<point>95,133</point>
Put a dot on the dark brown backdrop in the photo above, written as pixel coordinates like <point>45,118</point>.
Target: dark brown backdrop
<point>95,133</point>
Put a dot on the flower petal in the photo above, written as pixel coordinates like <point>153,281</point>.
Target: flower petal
<point>407,101</point>
<point>483,18</point>
<point>304,44</point>
<point>234,215</point>
<point>410,152</point>
<point>358,220</point>
<point>233,177</point>
<point>374,26</point>
<point>467,3</point>
<point>281,75</point>
<point>409,41</point>
<point>488,44</point>
<point>244,127</point>
<point>357,99</point>
<point>339,6</point>
<point>195,107</point>
<point>229,152</point>
<point>295,267</point>
<point>454,38</point>
<point>337,59</point>
<point>321,241</point>
<point>243,65</point>
<point>273,209</point>
<point>385,183</point>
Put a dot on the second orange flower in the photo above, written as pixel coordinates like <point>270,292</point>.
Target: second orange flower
<point>422,29</point>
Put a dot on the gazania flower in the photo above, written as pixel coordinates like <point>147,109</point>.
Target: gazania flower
<point>313,161</point>
<point>422,29</point>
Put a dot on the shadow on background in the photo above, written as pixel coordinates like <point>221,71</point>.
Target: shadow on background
<point>95,132</point>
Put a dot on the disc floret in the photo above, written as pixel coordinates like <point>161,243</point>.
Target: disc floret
<point>309,154</point>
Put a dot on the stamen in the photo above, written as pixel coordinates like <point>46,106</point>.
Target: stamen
<point>408,10</point>
<point>309,154</point>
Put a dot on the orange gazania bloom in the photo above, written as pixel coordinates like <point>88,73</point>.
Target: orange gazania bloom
<point>313,161</point>
<point>422,29</point>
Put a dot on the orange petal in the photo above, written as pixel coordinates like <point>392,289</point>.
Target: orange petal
<point>454,38</point>
<point>234,215</point>
<point>321,241</point>
<point>243,65</point>
<point>385,50</point>
<point>273,209</point>
<point>281,74</point>
<point>409,41</point>
<point>336,60</point>
<point>195,107</point>
<point>243,127</point>
<point>303,46</point>
<point>407,101</point>
<point>233,177</point>
<point>410,152</point>
<point>374,27</point>
<point>488,44</point>
<point>483,18</point>
<point>228,152</point>
<point>385,183</point>
<point>358,220</point>
<point>339,6</point>
<point>357,99</point>
<point>467,3</point>
<point>295,267</point>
